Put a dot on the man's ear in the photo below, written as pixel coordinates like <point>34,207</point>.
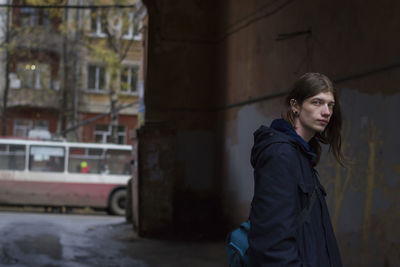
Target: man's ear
<point>294,106</point>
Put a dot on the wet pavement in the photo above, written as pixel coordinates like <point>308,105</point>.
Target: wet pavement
<point>50,240</point>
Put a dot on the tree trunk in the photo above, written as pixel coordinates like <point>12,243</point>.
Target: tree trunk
<point>114,116</point>
<point>7,78</point>
<point>64,100</point>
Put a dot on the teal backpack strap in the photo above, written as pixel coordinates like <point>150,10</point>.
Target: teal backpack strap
<point>237,244</point>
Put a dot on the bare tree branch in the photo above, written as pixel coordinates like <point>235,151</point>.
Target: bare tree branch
<point>98,117</point>
<point>126,50</point>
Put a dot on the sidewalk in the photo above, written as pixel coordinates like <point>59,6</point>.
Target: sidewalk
<point>151,252</point>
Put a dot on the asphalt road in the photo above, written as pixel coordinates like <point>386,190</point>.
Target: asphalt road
<point>67,240</point>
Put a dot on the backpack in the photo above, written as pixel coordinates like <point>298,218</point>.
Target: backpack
<point>236,244</point>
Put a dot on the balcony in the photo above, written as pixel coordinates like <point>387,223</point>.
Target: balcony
<point>39,98</point>
<point>38,37</point>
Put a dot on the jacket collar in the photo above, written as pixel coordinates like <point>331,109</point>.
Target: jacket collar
<point>286,128</point>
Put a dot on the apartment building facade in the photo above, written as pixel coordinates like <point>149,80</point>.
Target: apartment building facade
<point>73,71</point>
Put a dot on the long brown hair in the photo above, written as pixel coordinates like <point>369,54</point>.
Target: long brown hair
<point>309,85</point>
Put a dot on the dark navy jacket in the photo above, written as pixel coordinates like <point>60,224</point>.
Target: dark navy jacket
<point>284,180</point>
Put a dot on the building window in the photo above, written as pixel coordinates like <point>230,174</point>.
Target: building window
<point>128,26</point>
<point>102,134</point>
<point>129,79</point>
<point>30,17</point>
<point>96,78</point>
<point>130,29</point>
<point>22,127</point>
<point>34,75</point>
<point>98,22</point>
<point>121,135</point>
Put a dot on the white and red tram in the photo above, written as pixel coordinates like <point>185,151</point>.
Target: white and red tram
<point>59,173</point>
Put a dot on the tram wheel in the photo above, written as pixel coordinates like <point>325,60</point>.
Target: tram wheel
<point>118,202</point>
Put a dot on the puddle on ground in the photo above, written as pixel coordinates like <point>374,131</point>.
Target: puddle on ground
<point>43,243</point>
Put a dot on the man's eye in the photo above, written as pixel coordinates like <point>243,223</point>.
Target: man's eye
<point>331,105</point>
<point>316,102</point>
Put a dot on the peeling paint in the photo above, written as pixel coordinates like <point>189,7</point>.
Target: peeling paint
<point>339,191</point>
<point>373,143</point>
<point>339,187</point>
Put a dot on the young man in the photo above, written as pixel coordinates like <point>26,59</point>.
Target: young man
<point>286,183</point>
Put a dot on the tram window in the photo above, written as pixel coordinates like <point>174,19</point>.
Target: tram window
<point>12,157</point>
<point>93,151</point>
<point>46,159</point>
<point>86,160</point>
<point>119,161</point>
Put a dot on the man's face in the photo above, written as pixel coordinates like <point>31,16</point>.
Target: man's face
<point>314,114</point>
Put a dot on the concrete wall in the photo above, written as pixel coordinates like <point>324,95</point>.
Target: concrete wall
<point>218,70</point>
<point>181,92</point>
<point>156,152</point>
<point>364,198</point>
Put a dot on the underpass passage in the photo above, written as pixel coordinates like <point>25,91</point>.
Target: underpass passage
<point>49,240</point>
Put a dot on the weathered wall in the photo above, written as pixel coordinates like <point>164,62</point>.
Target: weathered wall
<point>364,198</point>
<point>156,178</point>
<point>264,47</point>
<point>180,92</point>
